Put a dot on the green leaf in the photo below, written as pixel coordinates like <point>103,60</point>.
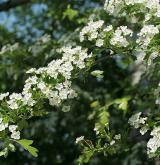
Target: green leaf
<point>11,147</point>
<point>70,13</point>
<point>22,124</point>
<point>26,144</point>
<point>4,152</point>
<point>97,73</point>
<point>104,118</point>
<point>85,157</point>
<point>123,103</point>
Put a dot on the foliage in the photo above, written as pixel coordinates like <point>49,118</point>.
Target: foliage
<point>91,91</point>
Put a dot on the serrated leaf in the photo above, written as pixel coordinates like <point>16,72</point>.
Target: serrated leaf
<point>26,144</point>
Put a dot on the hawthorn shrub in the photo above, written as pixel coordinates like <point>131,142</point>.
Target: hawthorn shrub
<point>91,92</point>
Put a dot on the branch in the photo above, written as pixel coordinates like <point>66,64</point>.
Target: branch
<point>11,4</point>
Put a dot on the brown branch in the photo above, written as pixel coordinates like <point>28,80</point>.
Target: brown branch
<point>11,4</point>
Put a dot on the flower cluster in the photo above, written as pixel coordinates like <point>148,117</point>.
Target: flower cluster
<point>3,95</point>
<point>95,31</point>
<point>119,37</point>
<point>146,35</point>
<point>152,57</point>
<point>12,129</point>
<point>115,138</point>
<point>138,122</point>
<point>114,7</point>
<point>102,34</point>
<point>61,69</point>
<point>9,48</point>
<point>154,142</point>
<point>13,100</point>
<point>52,82</point>
<point>91,30</point>
<point>15,134</point>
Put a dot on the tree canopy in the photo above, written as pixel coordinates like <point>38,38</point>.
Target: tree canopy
<point>79,82</point>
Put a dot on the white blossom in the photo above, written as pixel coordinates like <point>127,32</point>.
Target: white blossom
<point>12,128</point>
<point>32,70</point>
<point>3,95</point>
<point>99,43</point>
<point>117,137</point>
<point>2,127</point>
<point>15,135</point>
<point>143,130</point>
<point>154,142</point>
<point>9,47</point>
<point>114,7</point>
<point>146,35</point>
<point>108,28</point>
<point>136,121</point>
<point>112,142</point>
<point>96,129</point>
<point>119,37</point>
<point>13,100</point>
<point>79,139</point>
<point>91,30</point>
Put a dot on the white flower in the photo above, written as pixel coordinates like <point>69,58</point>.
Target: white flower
<point>93,36</point>
<point>154,142</point>
<point>143,130</point>
<point>43,87</point>
<point>117,137</point>
<point>96,129</point>
<point>97,73</point>
<point>114,7</point>
<point>12,128</point>
<point>2,127</point>
<point>108,28</point>
<point>119,37</point>
<point>99,42</point>
<point>146,35</point>
<point>15,96</point>
<point>32,80</point>
<point>15,135</point>
<point>156,132</point>
<point>152,57</point>
<point>79,139</point>
<point>157,101</point>
<point>9,47</point>
<point>3,95</point>
<point>1,119</point>
<point>13,104</point>
<point>32,70</point>
<point>27,99</point>
<point>6,125</point>
<point>136,121</point>
<point>91,30</point>
<point>112,142</point>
